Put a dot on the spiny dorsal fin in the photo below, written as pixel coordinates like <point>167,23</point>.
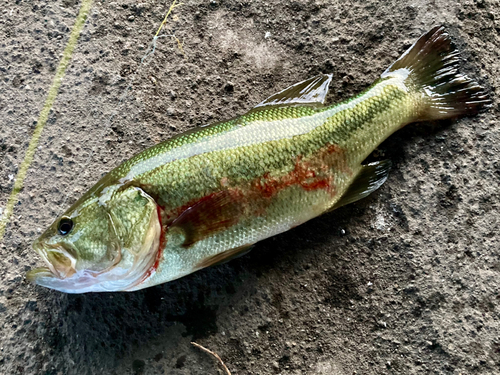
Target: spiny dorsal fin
<point>225,256</point>
<point>369,179</point>
<point>310,91</point>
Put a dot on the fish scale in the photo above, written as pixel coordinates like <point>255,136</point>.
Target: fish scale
<point>206,196</point>
<point>348,126</point>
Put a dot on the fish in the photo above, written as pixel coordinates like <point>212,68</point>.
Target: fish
<point>207,196</point>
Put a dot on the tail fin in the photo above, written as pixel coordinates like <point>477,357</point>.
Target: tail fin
<point>432,65</point>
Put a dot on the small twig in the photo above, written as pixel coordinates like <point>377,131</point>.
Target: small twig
<point>213,354</point>
<point>180,44</point>
<point>174,5</point>
<point>152,47</point>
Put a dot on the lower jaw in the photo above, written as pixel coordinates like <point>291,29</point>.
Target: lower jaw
<point>36,273</point>
<point>81,284</point>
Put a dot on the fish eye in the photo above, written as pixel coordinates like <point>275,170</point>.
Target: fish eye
<point>65,226</point>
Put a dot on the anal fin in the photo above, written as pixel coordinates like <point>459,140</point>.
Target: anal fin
<point>369,179</point>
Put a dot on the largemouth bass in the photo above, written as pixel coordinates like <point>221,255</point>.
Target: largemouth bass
<point>208,195</point>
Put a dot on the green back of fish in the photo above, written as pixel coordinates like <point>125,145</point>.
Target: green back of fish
<point>269,140</point>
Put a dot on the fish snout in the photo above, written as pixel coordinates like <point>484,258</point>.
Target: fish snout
<point>58,259</point>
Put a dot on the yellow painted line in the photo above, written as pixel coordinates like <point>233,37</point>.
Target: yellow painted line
<point>44,114</point>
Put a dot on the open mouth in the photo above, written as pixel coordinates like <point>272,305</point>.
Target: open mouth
<point>59,263</point>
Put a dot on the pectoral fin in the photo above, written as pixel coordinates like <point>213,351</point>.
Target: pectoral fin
<point>208,216</point>
<point>369,179</point>
<point>225,256</point>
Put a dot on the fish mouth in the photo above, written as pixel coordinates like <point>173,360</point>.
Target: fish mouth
<point>60,263</point>
<point>37,273</point>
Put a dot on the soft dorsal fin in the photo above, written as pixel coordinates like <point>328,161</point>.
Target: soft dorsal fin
<point>211,214</point>
<point>369,179</point>
<point>225,256</point>
<point>310,91</point>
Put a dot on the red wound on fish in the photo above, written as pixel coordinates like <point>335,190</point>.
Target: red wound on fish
<point>163,240</point>
<point>211,214</point>
<point>334,156</point>
<point>332,148</point>
<point>220,210</point>
<point>302,175</point>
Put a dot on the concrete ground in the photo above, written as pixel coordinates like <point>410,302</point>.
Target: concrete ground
<point>403,282</point>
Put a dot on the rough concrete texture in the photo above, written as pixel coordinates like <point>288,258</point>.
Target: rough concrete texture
<point>403,282</point>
